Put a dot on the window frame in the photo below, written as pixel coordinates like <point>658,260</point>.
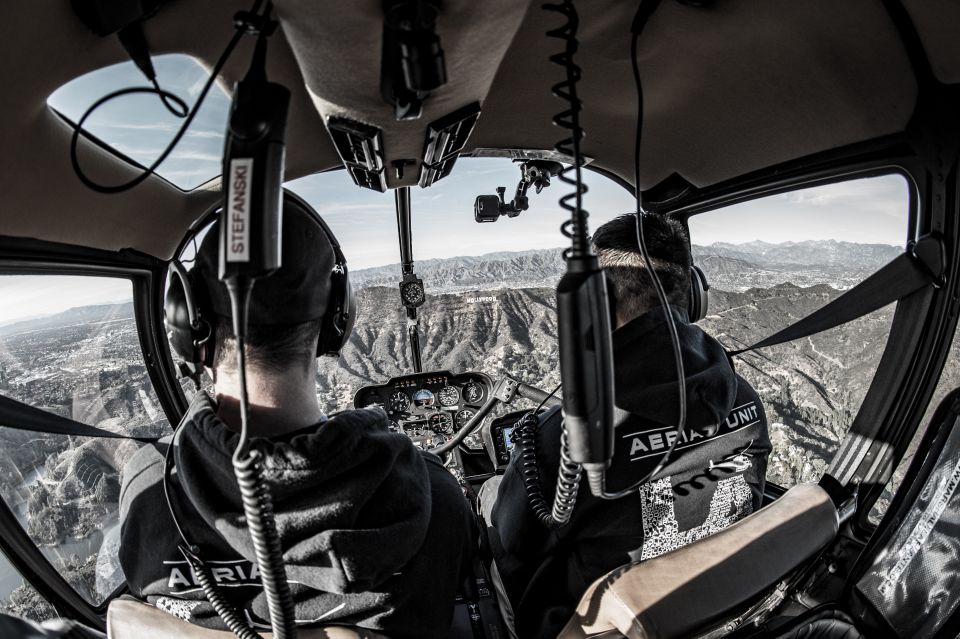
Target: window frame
<point>20,256</point>
<point>919,321</point>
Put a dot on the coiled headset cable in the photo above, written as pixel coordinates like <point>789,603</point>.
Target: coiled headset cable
<point>568,475</point>
<point>593,449</point>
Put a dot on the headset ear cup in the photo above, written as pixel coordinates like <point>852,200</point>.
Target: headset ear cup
<point>337,322</point>
<point>698,302</point>
<point>194,344</point>
<point>177,321</point>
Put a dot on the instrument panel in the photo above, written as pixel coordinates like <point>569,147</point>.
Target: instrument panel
<point>428,407</point>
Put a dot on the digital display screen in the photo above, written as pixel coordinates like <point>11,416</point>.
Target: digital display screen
<point>507,440</point>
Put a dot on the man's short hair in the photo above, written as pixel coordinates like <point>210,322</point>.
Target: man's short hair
<point>669,247</point>
<point>287,307</point>
<point>275,348</point>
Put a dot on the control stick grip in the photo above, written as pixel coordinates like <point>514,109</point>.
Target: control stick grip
<point>534,394</point>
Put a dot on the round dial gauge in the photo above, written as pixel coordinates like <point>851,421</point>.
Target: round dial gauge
<point>473,393</point>
<point>464,416</point>
<point>441,423</point>
<point>448,396</point>
<point>424,398</point>
<point>399,402</point>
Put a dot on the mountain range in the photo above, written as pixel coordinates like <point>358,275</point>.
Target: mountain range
<point>732,267</point>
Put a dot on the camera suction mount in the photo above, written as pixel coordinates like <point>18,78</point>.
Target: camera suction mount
<point>535,173</point>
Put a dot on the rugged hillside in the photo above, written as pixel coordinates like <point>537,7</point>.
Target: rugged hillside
<point>737,267</point>
<point>502,330</point>
<point>518,269</point>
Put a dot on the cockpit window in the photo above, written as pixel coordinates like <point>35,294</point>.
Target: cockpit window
<point>69,346</point>
<point>139,127</point>
<point>18,597</point>
<point>773,260</point>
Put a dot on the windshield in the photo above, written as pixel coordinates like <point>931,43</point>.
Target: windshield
<point>490,287</point>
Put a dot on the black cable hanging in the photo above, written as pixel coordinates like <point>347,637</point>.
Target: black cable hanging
<point>644,11</point>
<point>243,26</point>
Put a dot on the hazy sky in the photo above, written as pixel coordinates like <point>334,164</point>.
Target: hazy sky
<point>868,210</point>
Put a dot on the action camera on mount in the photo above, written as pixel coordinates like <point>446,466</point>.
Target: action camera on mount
<point>535,173</point>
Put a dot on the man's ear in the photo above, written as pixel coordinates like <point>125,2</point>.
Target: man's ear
<point>612,301</point>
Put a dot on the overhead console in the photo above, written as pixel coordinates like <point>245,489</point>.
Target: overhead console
<point>428,407</point>
<point>430,114</point>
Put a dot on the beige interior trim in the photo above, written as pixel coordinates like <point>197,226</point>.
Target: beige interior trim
<point>128,618</point>
<point>676,594</point>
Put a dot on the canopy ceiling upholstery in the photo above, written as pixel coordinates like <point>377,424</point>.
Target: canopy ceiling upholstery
<point>729,90</point>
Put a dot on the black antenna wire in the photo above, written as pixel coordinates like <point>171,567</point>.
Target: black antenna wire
<point>164,95</point>
<point>644,11</point>
<point>639,23</point>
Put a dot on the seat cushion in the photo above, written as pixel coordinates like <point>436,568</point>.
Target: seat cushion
<point>680,592</point>
<point>128,618</point>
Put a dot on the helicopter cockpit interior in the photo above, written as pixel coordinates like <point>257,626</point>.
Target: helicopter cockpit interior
<point>463,155</point>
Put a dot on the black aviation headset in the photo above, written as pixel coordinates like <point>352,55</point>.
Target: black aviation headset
<point>697,303</point>
<point>188,310</point>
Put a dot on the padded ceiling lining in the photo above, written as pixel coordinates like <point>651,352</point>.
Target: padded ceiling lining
<point>938,23</point>
<point>39,193</point>
<point>733,89</point>
<point>730,90</point>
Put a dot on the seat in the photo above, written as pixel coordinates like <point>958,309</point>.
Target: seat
<point>683,591</point>
<point>128,618</point>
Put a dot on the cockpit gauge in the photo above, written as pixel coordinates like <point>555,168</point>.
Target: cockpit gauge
<point>399,402</point>
<point>441,423</point>
<point>449,396</point>
<point>424,398</point>
<point>473,393</point>
<point>464,416</point>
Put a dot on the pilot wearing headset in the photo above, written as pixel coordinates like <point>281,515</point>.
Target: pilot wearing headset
<point>714,477</point>
<point>374,533</point>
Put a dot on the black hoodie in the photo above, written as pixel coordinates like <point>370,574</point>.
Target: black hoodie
<point>374,532</point>
<point>714,477</point>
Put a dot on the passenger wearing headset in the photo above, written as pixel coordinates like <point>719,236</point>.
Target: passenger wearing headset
<point>714,477</point>
<point>374,533</point>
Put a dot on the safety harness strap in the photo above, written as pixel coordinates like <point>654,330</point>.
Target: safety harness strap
<point>15,414</point>
<point>920,266</point>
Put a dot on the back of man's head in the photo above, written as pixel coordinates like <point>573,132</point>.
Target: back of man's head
<point>286,308</point>
<point>668,246</point>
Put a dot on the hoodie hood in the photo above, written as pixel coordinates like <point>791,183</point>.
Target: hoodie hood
<point>646,373</point>
<point>342,492</point>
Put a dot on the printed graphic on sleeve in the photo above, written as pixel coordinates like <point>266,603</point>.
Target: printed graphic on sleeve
<point>731,502</point>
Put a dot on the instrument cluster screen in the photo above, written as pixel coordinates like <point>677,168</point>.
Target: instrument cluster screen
<point>428,407</point>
